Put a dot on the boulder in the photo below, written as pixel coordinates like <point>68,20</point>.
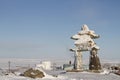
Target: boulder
<point>33,73</point>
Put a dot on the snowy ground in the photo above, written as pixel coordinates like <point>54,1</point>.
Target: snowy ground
<point>60,75</point>
<point>68,76</point>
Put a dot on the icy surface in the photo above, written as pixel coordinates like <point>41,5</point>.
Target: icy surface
<point>92,76</point>
<point>52,75</point>
<point>68,76</point>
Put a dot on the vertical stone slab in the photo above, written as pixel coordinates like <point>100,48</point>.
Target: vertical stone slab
<point>94,63</point>
<point>78,59</point>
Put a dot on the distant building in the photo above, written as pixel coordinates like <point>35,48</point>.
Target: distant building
<point>45,65</point>
<point>68,67</point>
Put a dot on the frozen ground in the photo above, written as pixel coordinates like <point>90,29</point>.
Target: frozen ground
<point>61,75</point>
<point>68,76</point>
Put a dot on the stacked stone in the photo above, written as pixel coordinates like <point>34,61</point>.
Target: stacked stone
<point>84,42</point>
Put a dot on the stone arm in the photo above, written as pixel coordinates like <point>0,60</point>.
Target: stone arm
<point>90,33</point>
<point>75,37</point>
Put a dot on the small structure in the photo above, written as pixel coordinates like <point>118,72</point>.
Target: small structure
<point>45,65</point>
<point>84,42</point>
<point>68,66</point>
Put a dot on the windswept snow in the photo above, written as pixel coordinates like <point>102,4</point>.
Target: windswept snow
<point>67,76</point>
<point>53,75</point>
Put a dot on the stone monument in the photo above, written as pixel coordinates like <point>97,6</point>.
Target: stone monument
<point>84,41</point>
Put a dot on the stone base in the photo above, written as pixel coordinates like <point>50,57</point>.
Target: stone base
<point>94,71</point>
<point>74,70</point>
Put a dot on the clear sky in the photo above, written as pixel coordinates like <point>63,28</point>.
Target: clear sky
<point>42,28</point>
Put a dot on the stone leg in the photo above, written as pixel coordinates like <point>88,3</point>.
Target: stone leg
<point>78,60</point>
<point>94,63</point>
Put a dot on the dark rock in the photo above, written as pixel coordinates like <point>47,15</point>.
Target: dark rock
<point>33,73</point>
<point>94,60</point>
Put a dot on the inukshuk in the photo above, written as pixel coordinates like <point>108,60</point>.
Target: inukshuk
<point>84,42</point>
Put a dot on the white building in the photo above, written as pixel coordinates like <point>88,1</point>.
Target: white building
<point>45,65</point>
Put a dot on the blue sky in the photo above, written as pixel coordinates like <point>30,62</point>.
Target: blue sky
<point>42,28</point>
